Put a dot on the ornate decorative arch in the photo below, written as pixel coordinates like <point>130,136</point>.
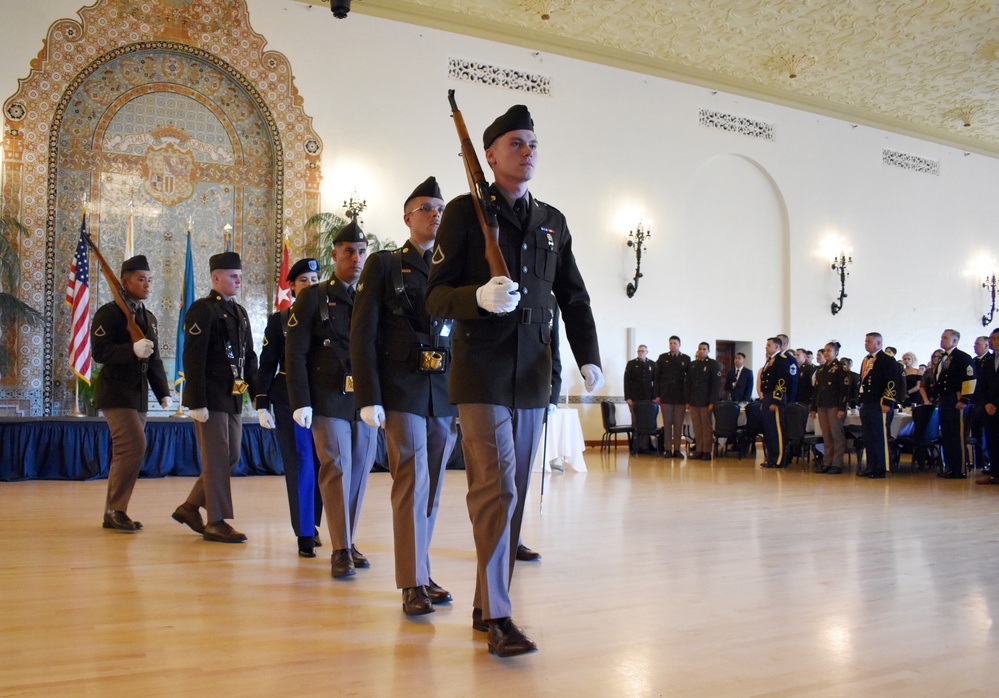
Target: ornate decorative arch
<point>180,97</point>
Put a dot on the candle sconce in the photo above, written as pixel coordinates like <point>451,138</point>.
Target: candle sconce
<point>636,239</point>
<point>990,285</point>
<point>839,265</point>
<point>353,208</point>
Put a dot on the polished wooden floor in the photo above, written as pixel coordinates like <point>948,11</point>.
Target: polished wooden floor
<point>659,578</point>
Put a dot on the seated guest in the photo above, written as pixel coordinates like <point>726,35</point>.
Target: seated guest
<point>739,382</point>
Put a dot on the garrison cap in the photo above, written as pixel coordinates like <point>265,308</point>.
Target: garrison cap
<point>224,260</point>
<point>302,266</point>
<point>350,233</point>
<point>516,118</point>
<point>136,263</point>
<point>427,188</point>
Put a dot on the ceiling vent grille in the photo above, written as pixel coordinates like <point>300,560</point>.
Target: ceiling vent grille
<point>914,163</point>
<point>495,76</point>
<point>736,124</point>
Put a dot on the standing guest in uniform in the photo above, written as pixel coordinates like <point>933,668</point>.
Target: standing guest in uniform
<point>977,416</point>
<point>853,398</point>
<point>832,386</point>
<point>820,356</point>
<point>785,344</point>
<point>121,391</point>
<point>297,451</point>
<point>703,391</point>
<point>740,380</point>
<point>775,389</point>
<point>219,364</point>
<point>501,377</point>
<point>955,388</point>
<point>321,392</point>
<point>400,355</point>
<point>988,396</point>
<point>670,379</point>
<point>806,376</point>
<point>878,392</point>
<point>639,375</point>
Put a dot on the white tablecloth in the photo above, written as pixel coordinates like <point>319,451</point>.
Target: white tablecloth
<point>565,441</point>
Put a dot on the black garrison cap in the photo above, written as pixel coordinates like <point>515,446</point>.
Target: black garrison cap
<point>516,118</point>
<point>427,188</point>
<point>350,233</point>
<point>136,263</point>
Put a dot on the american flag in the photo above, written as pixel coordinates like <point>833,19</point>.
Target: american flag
<point>78,298</point>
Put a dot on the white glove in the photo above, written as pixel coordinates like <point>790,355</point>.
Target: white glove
<point>303,417</point>
<point>166,403</point>
<point>551,408</point>
<point>373,415</point>
<point>593,377</point>
<point>200,414</point>
<point>143,348</point>
<point>499,295</point>
<point>265,419</point>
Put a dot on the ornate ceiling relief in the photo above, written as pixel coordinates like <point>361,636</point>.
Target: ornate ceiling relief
<point>146,110</point>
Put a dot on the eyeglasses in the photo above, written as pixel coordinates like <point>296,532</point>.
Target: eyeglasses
<point>427,208</point>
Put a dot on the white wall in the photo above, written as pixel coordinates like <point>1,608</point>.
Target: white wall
<point>614,144</point>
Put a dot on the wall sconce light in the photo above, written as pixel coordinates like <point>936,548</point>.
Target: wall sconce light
<point>353,207</point>
<point>839,265</point>
<point>990,285</point>
<point>636,239</point>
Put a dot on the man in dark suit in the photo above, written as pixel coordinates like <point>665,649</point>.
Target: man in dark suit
<point>219,366</point>
<point>400,355</point>
<point>878,392</point>
<point>955,387</point>
<point>739,382</point>
<point>988,397</point>
<point>121,391</point>
<point>501,376</point>
<point>297,450</point>
<point>321,392</point>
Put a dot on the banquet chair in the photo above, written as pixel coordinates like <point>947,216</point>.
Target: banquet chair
<point>608,412</point>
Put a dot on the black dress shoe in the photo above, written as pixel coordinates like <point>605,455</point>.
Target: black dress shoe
<point>833,471</point>
<point>437,593</point>
<point>119,521</point>
<point>875,476</point>
<point>360,562</point>
<point>950,475</point>
<point>190,517</point>
<point>525,554</point>
<point>222,532</point>
<point>342,564</point>
<point>306,546</point>
<point>415,602</point>
<point>705,456</point>
<point>820,469</point>
<point>862,473</point>
<point>507,640</point>
<point>477,622</point>
<point>678,454</point>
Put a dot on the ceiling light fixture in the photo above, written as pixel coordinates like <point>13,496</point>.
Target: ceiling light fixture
<point>791,63</point>
<point>545,8</point>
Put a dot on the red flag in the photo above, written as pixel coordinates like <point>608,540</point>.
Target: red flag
<point>78,298</point>
<point>282,298</point>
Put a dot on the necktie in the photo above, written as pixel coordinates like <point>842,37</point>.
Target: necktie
<point>350,293</point>
<point>944,363</point>
<point>520,208</point>
<point>428,256</point>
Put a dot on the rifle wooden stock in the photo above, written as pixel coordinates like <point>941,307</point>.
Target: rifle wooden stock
<point>485,210</point>
<point>117,290</point>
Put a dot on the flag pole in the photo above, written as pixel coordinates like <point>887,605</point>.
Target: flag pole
<point>180,401</point>
<point>76,402</point>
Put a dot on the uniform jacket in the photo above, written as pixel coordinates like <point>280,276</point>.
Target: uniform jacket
<point>957,377</point>
<point>507,359</point>
<point>806,373</point>
<point>832,386</point>
<point>317,350</point>
<point>639,379</point>
<point>209,322</point>
<point>740,390</point>
<point>122,380</point>
<point>880,384</point>
<point>385,346</point>
<point>704,382</point>
<point>671,378</point>
<point>778,378</point>
<point>272,385</point>
<point>853,396</point>
<point>988,383</point>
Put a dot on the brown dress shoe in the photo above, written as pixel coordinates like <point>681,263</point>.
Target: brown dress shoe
<point>342,564</point>
<point>525,554</point>
<point>360,562</point>
<point>190,517</point>
<point>507,640</point>
<point>437,593</point>
<point>983,479</point>
<point>222,532</point>
<point>415,602</point>
<point>477,622</point>
<point>119,521</point>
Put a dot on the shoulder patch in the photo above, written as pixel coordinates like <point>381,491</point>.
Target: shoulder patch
<point>970,370</point>
<point>438,255</point>
<point>194,329</point>
<point>793,369</point>
<point>292,320</point>
<point>99,332</point>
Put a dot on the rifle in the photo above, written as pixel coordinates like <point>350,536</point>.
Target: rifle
<point>485,208</point>
<point>117,290</point>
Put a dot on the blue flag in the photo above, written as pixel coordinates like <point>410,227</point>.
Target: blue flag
<point>187,293</point>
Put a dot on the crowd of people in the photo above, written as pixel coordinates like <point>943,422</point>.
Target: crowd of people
<point>964,390</point>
